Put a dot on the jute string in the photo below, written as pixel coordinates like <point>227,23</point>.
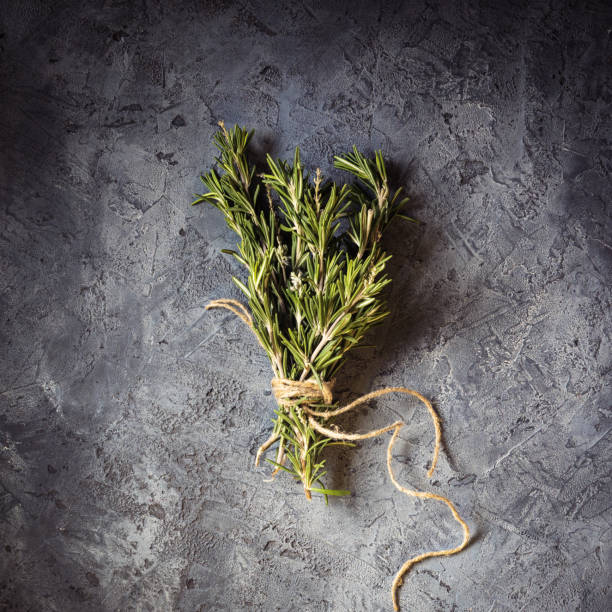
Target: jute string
<point>302,393</point>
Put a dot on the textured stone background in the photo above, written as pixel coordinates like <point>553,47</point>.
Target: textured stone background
<point>129,416</point>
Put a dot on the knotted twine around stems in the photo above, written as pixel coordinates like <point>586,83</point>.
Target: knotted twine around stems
<point>291,392</point>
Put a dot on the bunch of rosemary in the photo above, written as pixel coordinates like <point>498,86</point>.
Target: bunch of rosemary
<point>315,273</point>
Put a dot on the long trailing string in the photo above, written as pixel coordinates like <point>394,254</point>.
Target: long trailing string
<point>287,389</point>
<point>291,392</point>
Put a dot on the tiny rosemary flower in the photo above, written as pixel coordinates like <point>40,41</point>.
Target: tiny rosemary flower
<point>296,283</point>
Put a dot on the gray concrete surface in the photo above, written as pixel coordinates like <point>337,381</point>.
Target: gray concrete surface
<point>129,416</point>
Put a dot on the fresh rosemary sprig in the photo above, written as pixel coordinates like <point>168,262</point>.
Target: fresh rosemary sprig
<point>315,271</point>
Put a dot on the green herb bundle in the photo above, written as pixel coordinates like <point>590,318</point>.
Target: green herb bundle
<point>313,290</point>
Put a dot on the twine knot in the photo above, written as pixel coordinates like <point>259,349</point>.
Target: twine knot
<point>290,392</point>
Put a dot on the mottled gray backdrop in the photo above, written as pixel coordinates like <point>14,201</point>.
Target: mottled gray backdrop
<point>129,416</point>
